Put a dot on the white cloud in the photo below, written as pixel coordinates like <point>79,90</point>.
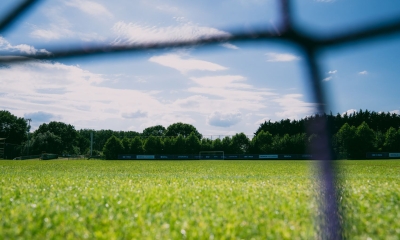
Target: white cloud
<point>293,107</point>
<point>56,32</point>
<point>133,33</point>
<point>332,72</point>
<point>281,57</point>
<point>77,96</point>
<point>185,65</point>
<point>49,34</point>
<point>230,92</point>
<point>21,48</point>
<point>230,46</point>
<point>350,111</point>
<point>220,119</point>
<point>192,102</point>
<point>59,27</point>
<point>225,81</point>
<point>136,114</point>
<point>89,7</point>
<point>395,112</point>
<point>363,73</point>
<point>327,79</point>
<point>262,120</point>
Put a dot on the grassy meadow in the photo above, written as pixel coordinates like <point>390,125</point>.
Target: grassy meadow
<point>95,199</point>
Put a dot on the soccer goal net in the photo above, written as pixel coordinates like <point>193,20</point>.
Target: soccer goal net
<point>211,155</point>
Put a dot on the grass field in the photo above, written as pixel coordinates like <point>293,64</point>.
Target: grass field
<point>63,199</point>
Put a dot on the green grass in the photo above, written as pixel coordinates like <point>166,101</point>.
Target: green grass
<point>69,199</point>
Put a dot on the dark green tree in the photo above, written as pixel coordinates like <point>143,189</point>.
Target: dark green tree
<point>183,129</point>
<point>112,148</point>
<point>46,142</point>
<point>392,140</point>
<point>240,143</point>
<point>193,144</point>
<point>157,130</point>
<point>66,132</point>
<point>364,141</point>
<point>206,144</point>
<point>153,145</point>
<point>169,145</point>
<point>127,145</point>
<point>262,142</point>
<point>13,128</point>
<point>346,138</point>
<point>136,146</point>
<point>180,145</point>
<point>217,145</point>
<point>227,145</point>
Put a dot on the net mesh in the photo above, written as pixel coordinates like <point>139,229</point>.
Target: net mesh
<point>310,46</point>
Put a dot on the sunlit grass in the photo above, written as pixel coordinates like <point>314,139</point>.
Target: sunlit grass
<point>189,199</point>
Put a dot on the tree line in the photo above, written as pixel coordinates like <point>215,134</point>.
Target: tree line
<point>352,136</point>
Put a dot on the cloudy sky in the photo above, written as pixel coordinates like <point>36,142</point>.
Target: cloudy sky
<point>221,90</point>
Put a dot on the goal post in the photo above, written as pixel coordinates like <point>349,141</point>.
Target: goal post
<point>212,155</point>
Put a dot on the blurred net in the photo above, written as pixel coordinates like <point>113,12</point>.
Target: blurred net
<point>310,46</point>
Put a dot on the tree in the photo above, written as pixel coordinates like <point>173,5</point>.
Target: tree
<point>13,128</point>
<point>112,148</point>
<point>392,140</point>
<point>136,146</point>
<point>364,141</point>
<point>226,145</point>
<point>169,145</point>
<point>66,132</point>
<point>192,144</point>
<point>180,145</point>
<point>206,144</point>
<point>157,130</point>
<point>127,145</point>
<point>183,129</point>
<point>240,143</point>
<point>217,145</point>
<point>346,141</point>
<point>262,142</point>
<point>46,142</point>
<point>153,145</point>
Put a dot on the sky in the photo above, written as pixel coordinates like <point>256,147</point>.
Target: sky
<point>221,89</point>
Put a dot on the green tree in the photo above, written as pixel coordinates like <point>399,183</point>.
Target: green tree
<point>226,145</point>
<point>206,144</point>
<point>46,142</point>
<point>180,145</point>
<point>217,145</point>
<point>262,142</point>
<point>157,130</point>
<point>193,144</point>
<point>364,141</point>
<point>66,132</point>
<point>112,148</point>
<point>136,146</point>
<point>299,143</point>
<point>392,140</point>
<point>13,128</point>
<point>183,129</point>
<point>127,145</point>
<point>240,143</point>
<point>169,145</point>
<point>346,138</point>
<point>153,145</point>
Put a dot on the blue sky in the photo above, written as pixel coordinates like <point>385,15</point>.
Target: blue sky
<point>221,90</point>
